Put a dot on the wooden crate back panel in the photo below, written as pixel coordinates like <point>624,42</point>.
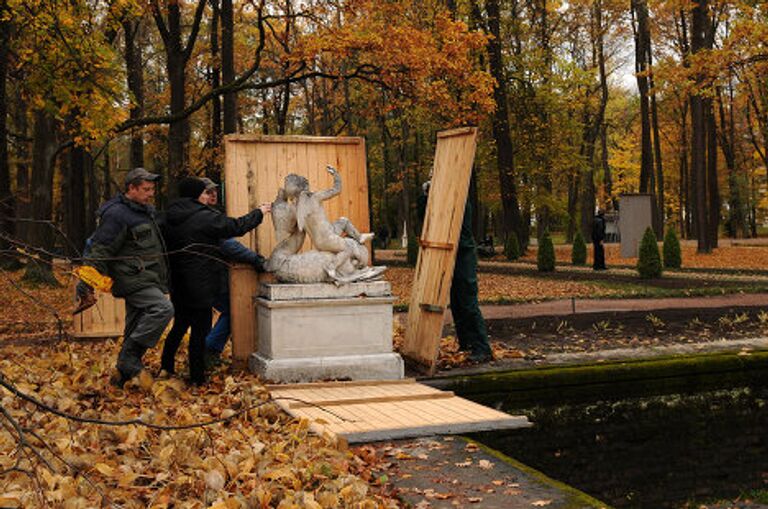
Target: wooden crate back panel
<point>105,319</point>
<point>454,156</point>
<point>256,167</point>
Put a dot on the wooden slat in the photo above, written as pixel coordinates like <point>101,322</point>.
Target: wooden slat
<point>373,399</point>
<point>454,156</point>
<point>360,412</point>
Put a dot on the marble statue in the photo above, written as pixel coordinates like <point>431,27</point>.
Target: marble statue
<point>339,254</point>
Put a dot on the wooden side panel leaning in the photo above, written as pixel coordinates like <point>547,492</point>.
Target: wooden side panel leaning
<point>254,169</point>
<point>106,319</point>
<point>454,156</point>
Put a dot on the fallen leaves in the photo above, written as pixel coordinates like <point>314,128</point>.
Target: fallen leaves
<point>258,458</point>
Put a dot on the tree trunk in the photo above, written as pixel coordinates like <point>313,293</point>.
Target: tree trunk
<point>134,64</point>
<point>213,170</point>
<point>684,194</point>
<point>7,225</point>
<point>41,231</point>
<point>80,162</point>
<point>177,55</point>
<point>505,162</point>
<point>699,134</point>
<point>736,225</point>
<point>228,65</point>
<point>713,191</point>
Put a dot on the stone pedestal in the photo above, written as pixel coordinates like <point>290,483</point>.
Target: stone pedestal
<point>321,332</point>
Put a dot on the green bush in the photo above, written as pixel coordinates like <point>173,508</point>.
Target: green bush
<point>512,247</point>
<point>579,251</point>
<point>673,258</point>
<point>545,259</point>
<point>649,260</point>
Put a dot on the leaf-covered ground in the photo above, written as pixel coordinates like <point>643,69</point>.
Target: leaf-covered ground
<point>725,257</point>
<point>256,457</point>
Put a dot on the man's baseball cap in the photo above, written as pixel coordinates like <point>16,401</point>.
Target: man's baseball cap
<point>209,184</point>
<point>140,174</point>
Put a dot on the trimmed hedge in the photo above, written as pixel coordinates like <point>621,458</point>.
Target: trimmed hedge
<point>649,260</point>
<point>579,251</point>
<point>545,259</point>
<point>512,247</point>
<point>673,258</point>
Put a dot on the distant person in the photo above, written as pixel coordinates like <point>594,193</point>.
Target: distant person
<point>465,308</point>
<point>383,235</point>
<point>194,231</point>
<point>128,247</point>
<point>598,240</point>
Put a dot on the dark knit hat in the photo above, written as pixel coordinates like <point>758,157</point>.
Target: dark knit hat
<point>191,187</point>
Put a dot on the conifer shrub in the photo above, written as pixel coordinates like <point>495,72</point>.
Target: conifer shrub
<point>512,247</point>
<point>673,258</point>
<point>545,259</point>
<point>649,260</point>
<point>579,251</point>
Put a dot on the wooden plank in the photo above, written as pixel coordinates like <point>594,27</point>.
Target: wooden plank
<point>281,139</point>
<point>380,399</point>
<point>454,156</point>
<point>369,411</point>
<point>356,383</point>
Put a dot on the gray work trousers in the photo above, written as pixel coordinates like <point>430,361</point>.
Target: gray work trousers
<point>147,313</point>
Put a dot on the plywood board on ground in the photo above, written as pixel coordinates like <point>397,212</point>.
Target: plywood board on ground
<point>387,410</point>
<point>254,168</point>
<point>454,156</point>
<point>106,319</point>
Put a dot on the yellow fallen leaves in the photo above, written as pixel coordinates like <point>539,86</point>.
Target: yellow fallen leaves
<point>258,458</point>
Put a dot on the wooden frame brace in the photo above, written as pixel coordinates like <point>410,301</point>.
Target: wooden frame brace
<point>435,245</point>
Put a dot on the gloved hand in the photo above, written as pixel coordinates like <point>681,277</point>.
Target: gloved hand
<point>85,297</point>
<point>259,263</point>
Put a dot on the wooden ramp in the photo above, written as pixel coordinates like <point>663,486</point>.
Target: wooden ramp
<point>369,411</point>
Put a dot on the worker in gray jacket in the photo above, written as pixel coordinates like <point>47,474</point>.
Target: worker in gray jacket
<point>128,247</point>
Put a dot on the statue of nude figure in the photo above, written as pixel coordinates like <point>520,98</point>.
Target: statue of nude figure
<point>326,236</point>
<point>340,259</point>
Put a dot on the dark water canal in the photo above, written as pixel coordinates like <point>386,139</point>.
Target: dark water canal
<point>649,451</point>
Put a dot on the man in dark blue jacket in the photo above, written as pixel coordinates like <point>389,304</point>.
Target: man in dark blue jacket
<point>194,231</point>
<point>128,246</point>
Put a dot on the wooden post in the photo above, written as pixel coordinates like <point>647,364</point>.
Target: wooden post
<point>454,156</point>
<point>254,169</point>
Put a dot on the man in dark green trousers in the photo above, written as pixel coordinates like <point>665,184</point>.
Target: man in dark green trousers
<point>465,308</point>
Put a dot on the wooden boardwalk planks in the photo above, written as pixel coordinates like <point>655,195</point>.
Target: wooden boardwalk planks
<point>454,156</point>
<point>254,169</point>
<point>387,410</point>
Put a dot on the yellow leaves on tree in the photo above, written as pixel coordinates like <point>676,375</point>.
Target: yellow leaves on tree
<point>414,50</point>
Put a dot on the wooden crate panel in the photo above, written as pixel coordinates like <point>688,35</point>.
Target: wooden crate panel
<point>255,166</point>
<point>454,156</point>
<point>387,410</point>
<point>106,319</point>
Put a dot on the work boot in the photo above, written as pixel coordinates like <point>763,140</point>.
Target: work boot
<point>116,379</point>
<point>212,360</point>
<point>145,380</point>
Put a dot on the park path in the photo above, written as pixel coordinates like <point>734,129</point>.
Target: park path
<point>568,306</point>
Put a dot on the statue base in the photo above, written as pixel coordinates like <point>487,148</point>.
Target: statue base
<point>311,332</point>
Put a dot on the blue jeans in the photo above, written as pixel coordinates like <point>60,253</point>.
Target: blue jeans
<point>217,338</point>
